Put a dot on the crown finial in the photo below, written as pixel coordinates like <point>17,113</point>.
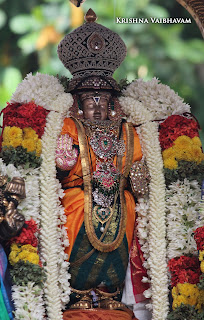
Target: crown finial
<point>90,16</point>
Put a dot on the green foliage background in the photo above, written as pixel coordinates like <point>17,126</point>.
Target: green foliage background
<point>174,53</point>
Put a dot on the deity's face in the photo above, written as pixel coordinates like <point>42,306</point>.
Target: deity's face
<point>95,105</point>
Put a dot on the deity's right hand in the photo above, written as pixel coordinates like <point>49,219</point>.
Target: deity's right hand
<point>66,154</point>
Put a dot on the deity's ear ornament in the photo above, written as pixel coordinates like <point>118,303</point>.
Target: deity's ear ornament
<point>115,111</point>
<point>76,109</point>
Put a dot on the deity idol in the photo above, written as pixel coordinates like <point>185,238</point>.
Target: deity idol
<point>95,154</point>
<point>130,167</point>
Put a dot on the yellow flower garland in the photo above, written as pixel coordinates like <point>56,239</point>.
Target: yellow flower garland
<point>184,148</point>
<point>29,133</point>
<point>196,141</point>
<point>171,163</point>
<point>201,259</point>
<point>25,253</point>
<point>27,138</point>
<point>29,144</point>
<point>187,293</point>
<point>38,147</point>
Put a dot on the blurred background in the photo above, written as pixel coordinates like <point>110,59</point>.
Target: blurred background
<point>31,30</point>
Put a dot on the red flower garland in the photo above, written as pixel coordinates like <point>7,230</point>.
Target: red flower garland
<point>27,235</point>
<point>184,269</point>
<point>199,238</point>
<point>175,126</point>
<point>25,115</point>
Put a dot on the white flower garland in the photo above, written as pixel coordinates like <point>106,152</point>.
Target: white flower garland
<point>9,170</point>
<point>159,99</point>
<point>183,217</point>
<point>53,234</point>
<point>47,91</point>
<point>142,209</point>
<point>137,114</point>
<point>52,248</point>
<point>30,206</point>
<point>28,300</point>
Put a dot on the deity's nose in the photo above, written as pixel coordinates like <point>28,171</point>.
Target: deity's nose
<point>97,108</point>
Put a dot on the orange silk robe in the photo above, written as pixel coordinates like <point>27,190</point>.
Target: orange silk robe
<point>73,200</point>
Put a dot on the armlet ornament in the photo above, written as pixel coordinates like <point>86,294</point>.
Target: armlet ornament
<point>139,178</point>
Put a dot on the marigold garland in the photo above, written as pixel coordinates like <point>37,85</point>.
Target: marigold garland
<point>175,126</point>
<point>21,144</point>
<point>199,238</point>
<point>25,115</point>
<point>184,269</point>
<point>27,138</point>
<point>183,148</point>
<point>187,293</point>
<point>27,235</point>
<point>25,253</point>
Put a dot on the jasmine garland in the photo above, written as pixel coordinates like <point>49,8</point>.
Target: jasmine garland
<point>149,138</point>
<point>183,217</point>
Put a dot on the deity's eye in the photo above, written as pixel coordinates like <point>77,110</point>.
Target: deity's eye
<point>90,105</point>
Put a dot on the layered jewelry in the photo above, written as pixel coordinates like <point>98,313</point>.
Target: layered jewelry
<point>104,212</point>
<point>106,144</point>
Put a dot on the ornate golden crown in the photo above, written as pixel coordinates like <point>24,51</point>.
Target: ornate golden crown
<point>92,51</point>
